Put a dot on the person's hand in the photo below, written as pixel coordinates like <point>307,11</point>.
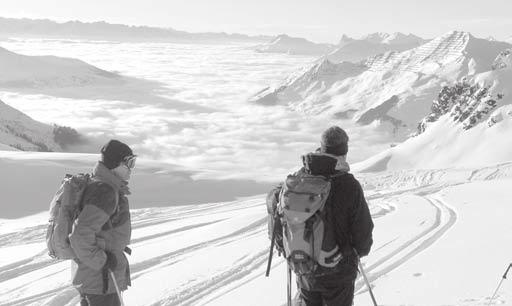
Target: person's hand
<point>111,263</point>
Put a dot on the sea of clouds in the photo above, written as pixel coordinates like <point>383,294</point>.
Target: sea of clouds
<point>193,111</point>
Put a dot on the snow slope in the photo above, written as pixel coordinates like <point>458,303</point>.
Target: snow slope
<point>432,226</point>
<point>294,45</point>
<point>20,71</point>
<point>355,50</point>
<point>394,90</point>
<point>19,131</point>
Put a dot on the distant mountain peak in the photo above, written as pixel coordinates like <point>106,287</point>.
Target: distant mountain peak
<point>284,43</point>
<point>345,39</point>
<point>376,37</point>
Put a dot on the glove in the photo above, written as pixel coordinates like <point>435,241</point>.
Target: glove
<point>111,263</point>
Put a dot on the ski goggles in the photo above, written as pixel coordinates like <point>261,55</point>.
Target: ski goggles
<point>129,161</point>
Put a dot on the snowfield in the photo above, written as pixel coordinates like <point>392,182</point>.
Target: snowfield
<point>442,237</point>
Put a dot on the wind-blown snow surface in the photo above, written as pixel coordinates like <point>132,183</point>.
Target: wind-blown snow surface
<point>440,231</point>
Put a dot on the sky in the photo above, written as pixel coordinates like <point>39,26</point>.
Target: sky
<point>320,20</point>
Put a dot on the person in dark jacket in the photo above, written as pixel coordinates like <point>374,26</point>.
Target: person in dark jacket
<point>102,230</point>
<point>347,210</point>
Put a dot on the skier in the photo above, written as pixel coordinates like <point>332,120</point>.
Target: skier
<point>102,230</point>
<point>346,215</point>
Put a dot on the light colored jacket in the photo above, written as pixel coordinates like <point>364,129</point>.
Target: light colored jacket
<point>103,225</point>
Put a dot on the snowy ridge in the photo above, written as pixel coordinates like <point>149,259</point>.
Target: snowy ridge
<point>453,48</point>
<point>293,45</point>
<point>354,50</point>
<point>419,215</point>
<point>19,131</point>
<point>49,71</point>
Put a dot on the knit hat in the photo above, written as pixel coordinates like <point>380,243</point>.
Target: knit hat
<point>334,141</point>
<point>113,153</point>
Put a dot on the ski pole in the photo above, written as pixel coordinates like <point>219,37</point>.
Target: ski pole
<point>367,283</point>
<point>117,287</point>
<point>499,285</point>
<point>269,263</point>
<point>289,286</point>
<point>365,278</point>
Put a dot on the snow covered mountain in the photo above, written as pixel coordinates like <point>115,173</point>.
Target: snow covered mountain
<point>49,71</point>
<point>293,45</point>
<point>45,28</point>
<point>354,50</point>
<point>395,89</point>
<point>470,123</point>
<point>20,132</point>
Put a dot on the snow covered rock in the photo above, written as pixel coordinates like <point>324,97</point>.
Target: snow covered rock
<point>21,71</point>
<point>503,61</point>
<point>470,100</point>
<point>293,45</point>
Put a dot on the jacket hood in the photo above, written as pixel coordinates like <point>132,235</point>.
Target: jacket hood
<point>318,163</point>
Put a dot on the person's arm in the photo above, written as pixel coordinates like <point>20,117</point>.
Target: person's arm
<point>362,224</point>
<point>98,205</point>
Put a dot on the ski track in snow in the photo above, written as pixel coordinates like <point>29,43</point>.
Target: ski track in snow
<point>383,202</point>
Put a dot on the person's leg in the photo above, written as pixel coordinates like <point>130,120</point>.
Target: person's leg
<point>83,300</point>
<point>342,295</point>
<point>102,300</point>
<point>310,298</point>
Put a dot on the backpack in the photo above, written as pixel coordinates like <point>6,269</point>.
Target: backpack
<point>308,234</point>
<point>64,209</point>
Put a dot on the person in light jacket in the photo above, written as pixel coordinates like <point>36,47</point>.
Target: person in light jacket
<point>102,230</point>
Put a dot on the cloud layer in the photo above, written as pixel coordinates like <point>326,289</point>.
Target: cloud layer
<point>201,119</point>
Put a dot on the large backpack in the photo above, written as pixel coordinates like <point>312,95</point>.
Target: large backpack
<point>308,234</point>
<point>64,209</point>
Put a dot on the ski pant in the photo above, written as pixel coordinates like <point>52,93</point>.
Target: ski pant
<point>99,300</point>
<point>329,289</point>
<point>341,295</point>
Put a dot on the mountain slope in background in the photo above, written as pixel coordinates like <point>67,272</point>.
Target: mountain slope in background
<point>105,31</point>
<point>19,131</point>
<point>354,50</point>
<point>49,71</point>
<point>470,124</point>
<point>395,89</point>
<point>293,45</point>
